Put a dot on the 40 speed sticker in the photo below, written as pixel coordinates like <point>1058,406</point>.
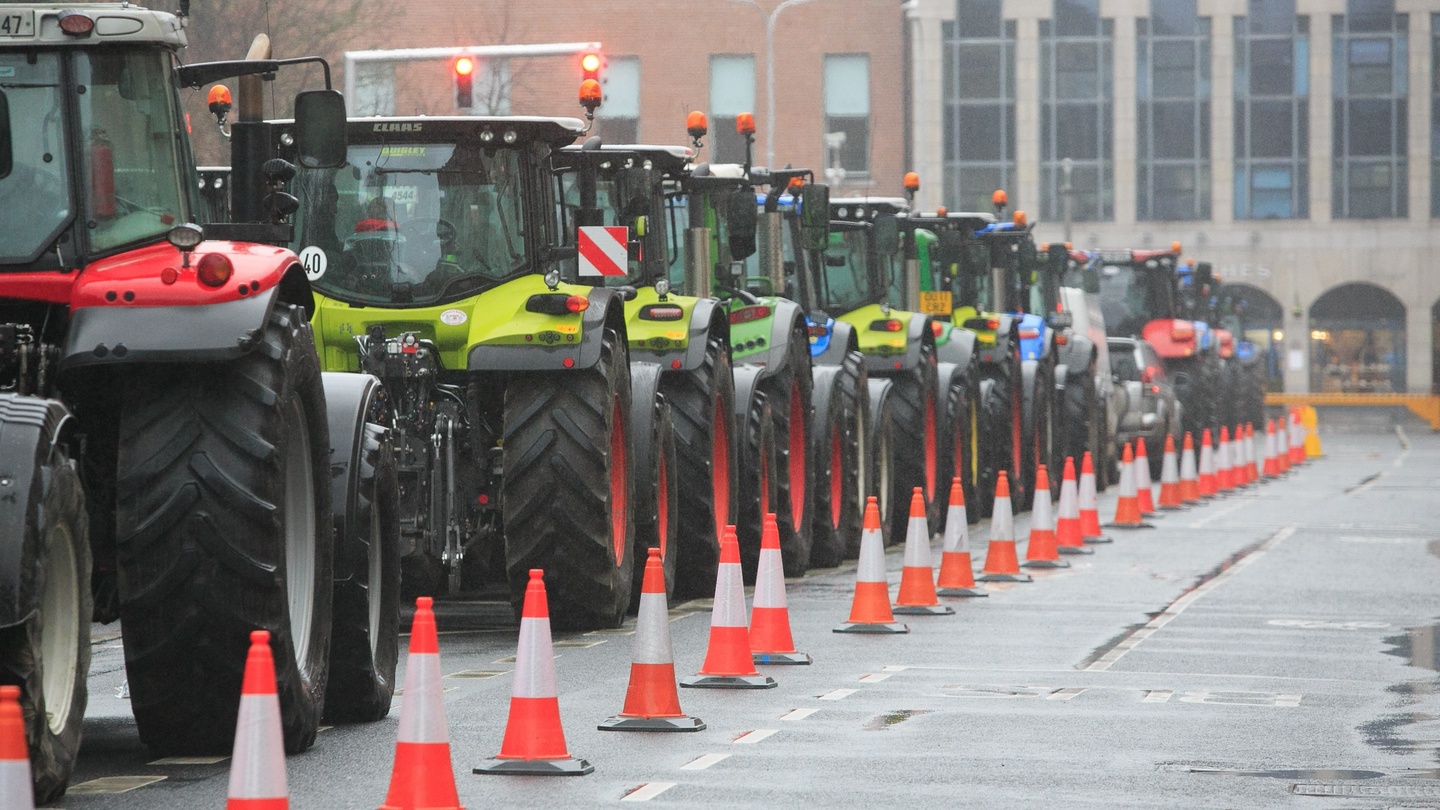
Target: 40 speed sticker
<point>314,260</point>
<point>453,317</point>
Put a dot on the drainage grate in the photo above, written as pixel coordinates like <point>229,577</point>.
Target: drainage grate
<point>1386,791</point>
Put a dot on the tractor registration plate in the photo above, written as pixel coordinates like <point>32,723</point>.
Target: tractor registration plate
<point>19,23</point>
<point>935,303</point>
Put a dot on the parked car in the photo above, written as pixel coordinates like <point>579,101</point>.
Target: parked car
<point>1148,407</point>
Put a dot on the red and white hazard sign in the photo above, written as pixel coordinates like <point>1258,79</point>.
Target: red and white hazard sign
<point>604,251</point>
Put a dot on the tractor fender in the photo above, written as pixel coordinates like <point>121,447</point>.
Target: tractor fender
<point>1006,336</point>
<point>349,399</point>
<point>787,324</point>
<point>114,335</point>
<point>959,349</point>
<point>1076,355</point>
<point>30,430</point>
<point>707,320</point>
<point>917,335</point>
<point>1029,372</point>
<point>747,388</point>
<point>646,403</point>
<point>606,311</point>
<point>842,341</point>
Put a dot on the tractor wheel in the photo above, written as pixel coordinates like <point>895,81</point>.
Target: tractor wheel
<point>960,446</point>
<point>1001,443</point>
<point>366,643</point>
<point>858,441</point>
<point>759,491</point>
<point>702,405</point>
<point>1250,393</point>
<point>1038,437</point>
<point>48,655</point>
<point>882,481</point>
<point>916,406</point>
<point>790,396</point>
<point>1197,387</point>
<point>1085,423</point>
<point>652,450</point>
<point>567,496</point>
<point>828,460</point>
<point>224,527</point>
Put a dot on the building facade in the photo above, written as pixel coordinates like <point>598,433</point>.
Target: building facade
<point>1294,144</point>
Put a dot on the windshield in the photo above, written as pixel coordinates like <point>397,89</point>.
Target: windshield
<point>844,283</point>
<point>412,223</point>
<point>606,198</point>
<point>35,199</point>
<point>1131,297</point>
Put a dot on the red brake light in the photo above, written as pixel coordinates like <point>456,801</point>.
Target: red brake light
<point>818,331</point>
<point>886,325</point>
<point>937,328</point>
<point>1154,389</point>
<point>748,314</point>
<point>992,323</point>
<point>1061,339</point>
<point>1148,374</point>
<point>577,303</point>
<point>214,270</point>
<point>661,312</point>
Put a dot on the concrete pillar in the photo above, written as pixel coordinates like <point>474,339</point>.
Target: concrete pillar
<point>1222,15</point>
<point>1027,109</point>
<point>927,116</point>
<point>1419,107</point>
<point>1419,340</point>
<point>1123,120</point>
<point>1322,99</point>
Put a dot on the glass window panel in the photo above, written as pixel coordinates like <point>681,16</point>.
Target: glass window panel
<point>854,154</point>
<point>622,88</point>
<point>1173,17</point>
<point>1370,68</point>
<point>1077,131</point>
<point>1273,134</point>
<point>847,84</point>
<point>1270,16</point>
<point>976,185</point>
<point>732,85</point>
<point>1272,68</point>
<point>1077,68</point>
<point>1174,129</point>
<point>1369,15</point>
<point>981,67</point>
<point>1076,17</point>
<point>1371,128</point>
<point>981,132</point>
<point>979,18</point>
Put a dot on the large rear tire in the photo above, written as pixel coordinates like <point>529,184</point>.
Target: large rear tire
<point>702,405</point>
<point>827,459</point>
<point>916,408</point>
<point>567,494</point>
<point>759,486</point>
<point>224,527</point>
<point>1001,413</point>
<point>1197,384</point>
<point>1084,421</point>
<point>1038,433</point>
<point>882,483</point>
<point>791,402</point>
<point>959,448</point>
<point>48,655</point>
<point>652,449</point>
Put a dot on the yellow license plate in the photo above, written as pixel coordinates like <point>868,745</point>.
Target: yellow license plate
<point>935,303</point>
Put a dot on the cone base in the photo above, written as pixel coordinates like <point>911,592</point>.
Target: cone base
<point>1181,508</point>
<point>782,658</point>
<point>622,723</point>
<point>872,627</point>
<point>1045,564</point>
<point>923,610</point>
<point>1005,578</point>
<point>1075,550</point>
<point>536,767</point>
<point>1129,525</point>
<point>729,682</point>
<point>1096,541</point>
<point>965,592</point>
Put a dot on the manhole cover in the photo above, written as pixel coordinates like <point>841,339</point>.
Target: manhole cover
<point>1386,791</point>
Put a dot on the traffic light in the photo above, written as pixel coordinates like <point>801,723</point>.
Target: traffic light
<point>464,69</point>
<point>590,64</point>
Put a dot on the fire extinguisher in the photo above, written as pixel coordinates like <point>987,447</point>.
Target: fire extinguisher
<point>102,175</point>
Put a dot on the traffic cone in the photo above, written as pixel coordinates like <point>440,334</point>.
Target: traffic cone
<point>652,703</point>
<point>770,640</point>
<point>1224,468</point>
<point>534,742</point>
<point>1252,466</point>
<point>729,662</point>
<point>1297,438</point>
<point>1069,539</point>
<point>1089,505</point>
<point>917,576</point>
<point>1208,486</point>
<point>1001,564</point>
<point>870,610</point>
<point>956,575</point>
<point>1169,476</point>
<point>1310,418</point>
<point>1272,465</point>
<point>257,765</point>
<point>422,776</point>
<point>16,790</point>
<point>1282,446</point>
<point>1127,509</point>
<point>1144,488</point>
<point>1041,551</point>
<point>1189,475</point>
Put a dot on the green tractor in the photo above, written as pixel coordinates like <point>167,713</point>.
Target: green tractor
<point>439,265</point>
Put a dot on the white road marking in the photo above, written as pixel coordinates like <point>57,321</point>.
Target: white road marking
<point>875,677</point>
<point>752,737</point>
<point>838,694</point>
<point>1285,701</point>
<point>647,791</point>
<point>1157,696</point>
<point>1234,507</point>
<point>1065,694</point>
<point>1179,605</point>
<point>703,762</point>
<point>798,714</point>
<point>1318,624</point>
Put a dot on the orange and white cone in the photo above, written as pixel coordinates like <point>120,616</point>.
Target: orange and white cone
<point>770,639</point>
<point>1189,473</point>
<point>1209,488</point>
<point>1127,509</point>
<point>16,789</point>
<point>1224,467</point>
<point>870,611</point>
<point>1089,504</point>
<point>1252,457</point>
<point>1068,537</point>
<point>1170,477</point>
<point>422,776</point>
<point>652,703</point>
<point>957,577</point>
<point>534,742</point>
<point>729,662</point>
<point>1001,562</point>
<point>1282,446</point>
<point>1272,467</point>
<point>257,765</point>
<point>1144,486</point>
<point>1297,438</point>
<point>1041,551</point>
<point>917,576</point>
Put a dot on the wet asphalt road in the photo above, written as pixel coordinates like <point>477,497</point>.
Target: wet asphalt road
<point>1303,666</point>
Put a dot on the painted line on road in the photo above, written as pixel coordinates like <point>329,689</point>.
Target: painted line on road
<point>752,737</point>
<point>1177,607</point>
<point>838,694</point>
<point>1157,696</point>
<point>647,791</point>
<point>1065,694</point>
<point>875,677</point>
<point>1365,484</point>
<point>1234,507</point>
<point>798,714</point>
<point>704,762</point>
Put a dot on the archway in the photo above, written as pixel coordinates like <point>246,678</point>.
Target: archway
<point>1251,314</point>
<point>1357,340</point>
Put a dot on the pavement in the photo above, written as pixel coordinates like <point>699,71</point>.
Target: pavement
<point>1274,648</point>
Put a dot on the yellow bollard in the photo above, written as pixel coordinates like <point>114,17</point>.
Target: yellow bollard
<point>1309,419</point>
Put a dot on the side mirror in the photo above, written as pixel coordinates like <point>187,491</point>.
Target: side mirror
<point>886,234</point>
<point>1061,320</point>
<point>320,129</point>
<point>742,218</point>
<point>7,155</point>
<point>1090,278</point>
<point>1026,256</point>
<point>815,215</point>
<point>634,187</point>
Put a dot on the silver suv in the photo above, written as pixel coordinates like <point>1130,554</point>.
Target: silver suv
<point>1148,407</point>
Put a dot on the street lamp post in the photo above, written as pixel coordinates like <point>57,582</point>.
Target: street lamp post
<point>770,70</point>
